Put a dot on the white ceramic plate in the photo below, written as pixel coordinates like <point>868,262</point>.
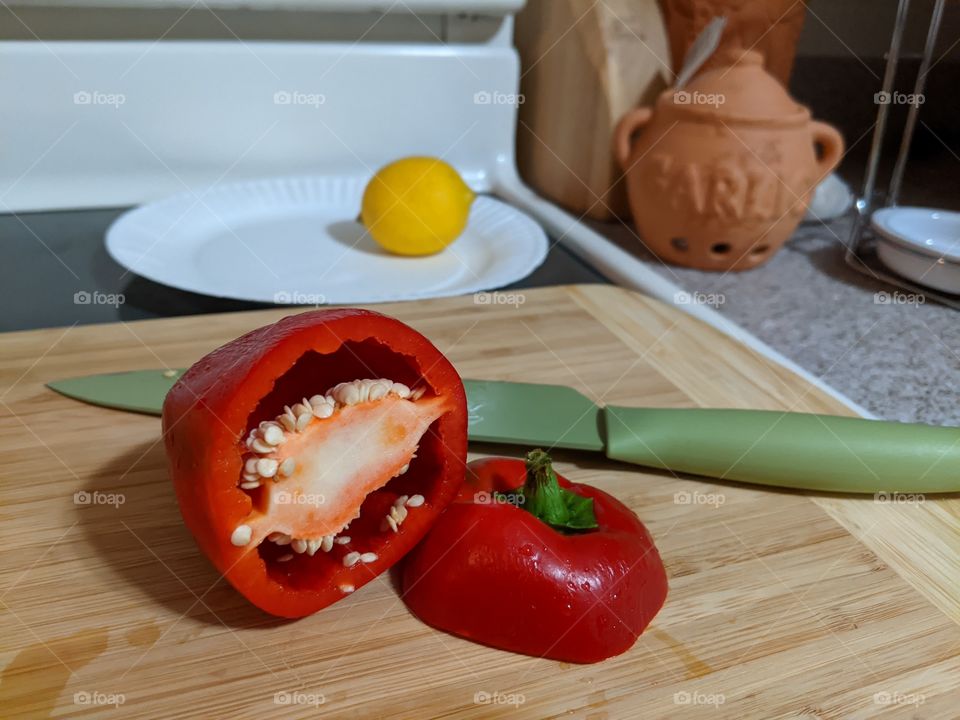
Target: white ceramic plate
<point>933,272</point>
<point>927,230</point>
<point>296,241</point>
<point>922,244</point>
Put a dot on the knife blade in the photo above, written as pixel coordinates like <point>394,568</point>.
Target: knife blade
<point>139,391</point>
<point>497,411</point>
<point>782,449</point>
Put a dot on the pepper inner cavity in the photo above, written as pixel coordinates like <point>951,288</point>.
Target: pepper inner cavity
<point>311,467</point>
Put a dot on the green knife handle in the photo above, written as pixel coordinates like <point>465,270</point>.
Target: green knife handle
<point>812,452</point>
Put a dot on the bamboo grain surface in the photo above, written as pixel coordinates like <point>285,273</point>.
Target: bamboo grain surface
<point>781,605</point>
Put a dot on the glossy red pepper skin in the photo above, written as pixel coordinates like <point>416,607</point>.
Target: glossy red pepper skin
<point>497,575</point>
<point>210,410</point>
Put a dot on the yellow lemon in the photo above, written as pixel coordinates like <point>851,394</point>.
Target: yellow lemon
<point>416,206</point>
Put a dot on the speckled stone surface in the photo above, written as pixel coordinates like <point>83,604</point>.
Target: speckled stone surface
<point>900,360</point>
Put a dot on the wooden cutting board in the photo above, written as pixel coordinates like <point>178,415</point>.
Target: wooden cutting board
<point>781,605</point>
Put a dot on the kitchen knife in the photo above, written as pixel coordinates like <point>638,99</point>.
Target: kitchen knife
<point>784,449</point>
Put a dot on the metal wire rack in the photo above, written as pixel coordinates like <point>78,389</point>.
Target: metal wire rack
<point>861,248</point>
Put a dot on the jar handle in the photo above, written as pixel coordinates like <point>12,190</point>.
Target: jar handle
<point>829,139</point>
<point>628,126</point>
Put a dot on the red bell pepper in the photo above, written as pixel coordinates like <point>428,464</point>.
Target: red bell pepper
<point>308,456</point>
<point>526,561</point>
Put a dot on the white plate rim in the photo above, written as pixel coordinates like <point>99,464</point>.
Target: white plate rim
<point>536,247</point>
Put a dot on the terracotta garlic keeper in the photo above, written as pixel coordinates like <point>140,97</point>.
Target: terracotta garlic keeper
<point>720,173</point>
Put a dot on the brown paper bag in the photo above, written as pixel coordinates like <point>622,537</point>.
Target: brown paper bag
<point>583,65</point>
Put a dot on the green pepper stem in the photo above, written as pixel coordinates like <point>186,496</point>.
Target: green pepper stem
<point>541,491</point>
<point>539,469</point>
<point>563,510</point>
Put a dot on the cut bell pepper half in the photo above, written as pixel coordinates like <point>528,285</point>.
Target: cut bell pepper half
<point>526,561</point>
<point>310,455</point>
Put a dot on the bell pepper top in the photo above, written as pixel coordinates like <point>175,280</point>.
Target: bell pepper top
<point>527,561</point>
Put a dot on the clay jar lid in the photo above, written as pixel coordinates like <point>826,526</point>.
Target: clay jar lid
<point>740,91</point>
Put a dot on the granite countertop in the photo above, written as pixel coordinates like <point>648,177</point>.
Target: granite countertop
<point>893,353</point>
<point>899,360</point>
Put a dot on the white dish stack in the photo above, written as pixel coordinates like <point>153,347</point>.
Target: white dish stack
<point>922,244</point>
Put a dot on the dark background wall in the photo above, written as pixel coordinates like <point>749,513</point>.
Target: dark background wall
<point>840,64</point>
